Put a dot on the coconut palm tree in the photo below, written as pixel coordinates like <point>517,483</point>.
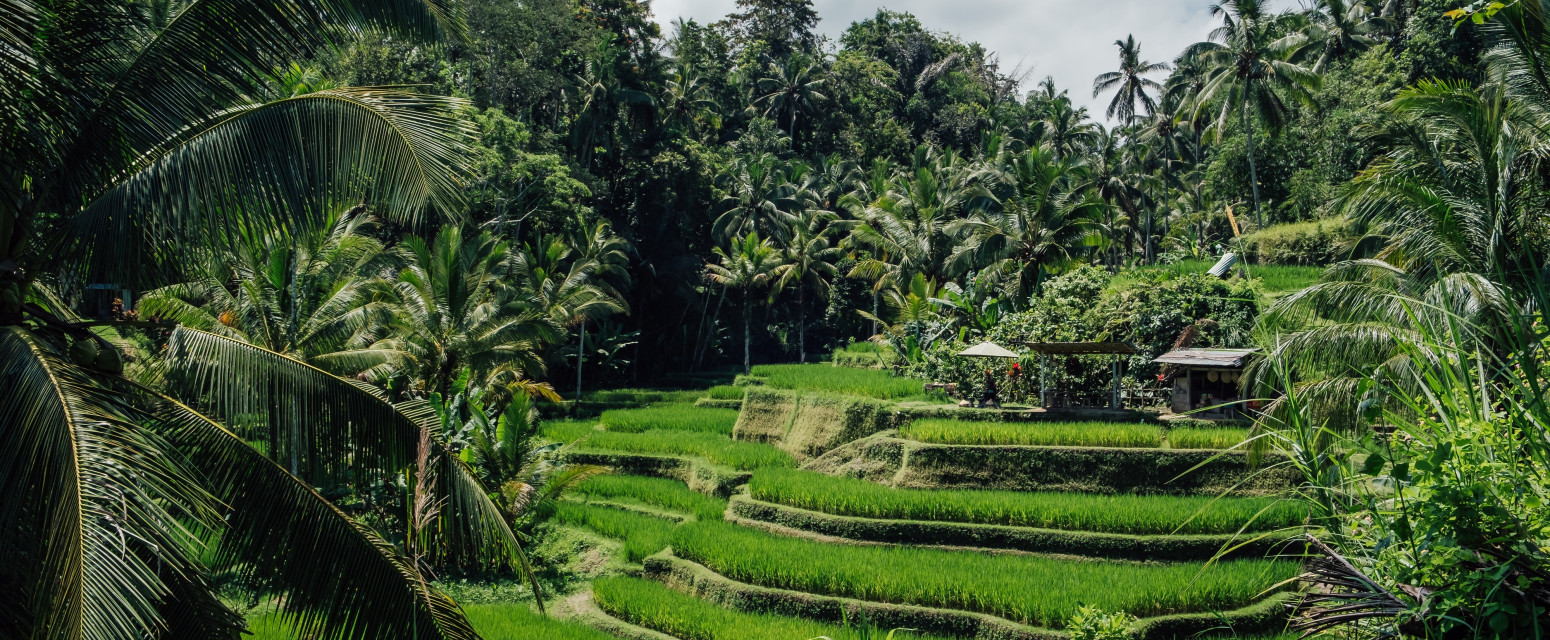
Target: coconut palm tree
<point>749,268</point>
<point>906,228</point>
<point>687,104</point>
<point>759,199</point>
<point>1065,128</point>
<point>791,89</point>
<point>1249,67</point>
<point>1340,28</point>
<point>808,262</point>
<point>1128,82</point>
<point>132,142</point>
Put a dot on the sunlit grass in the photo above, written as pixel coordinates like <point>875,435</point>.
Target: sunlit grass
<point>716,448</point>
<point>670,417</point>
<point>1070,434</point>
<point>661,492</point>
<point>1206,437</point>
<point>642,535</point>
<point>846,380</point>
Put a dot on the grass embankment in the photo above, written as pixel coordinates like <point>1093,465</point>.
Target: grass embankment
<point>659,492</point>
<point>670,417</point>
<point>641,534</point>
<point>725,392</point>
<point>716,448</point>
<point>640,396</point>
<point>651,605</point>
<point>510,621</point>
<point>1029,589</point>
<point>1132,514</point>
<point>1071,434</point>
<point>857,382</point>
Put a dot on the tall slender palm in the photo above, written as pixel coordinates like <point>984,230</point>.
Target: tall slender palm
<point>790,89</point>
<point>130,140</point>
<point>1249,68</point>
<point>808,262</point>
<point>1341,28</point>
<point>749,268</point>
<point>688,105</point>
<point>1129,83</point>
<point>759,199</point>
<point>907,228</point>
<point>1065,128</point>
<point>457,310</point>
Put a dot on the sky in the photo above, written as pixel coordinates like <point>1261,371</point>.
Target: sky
<point>1072,41</point>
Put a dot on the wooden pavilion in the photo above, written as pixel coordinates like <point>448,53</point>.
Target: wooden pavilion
<point>1047,397</point>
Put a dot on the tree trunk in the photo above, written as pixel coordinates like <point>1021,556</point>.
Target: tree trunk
<point>801,326</point>
<point>747,332</point>
<point>581,350</point>
<point>1248,130</point>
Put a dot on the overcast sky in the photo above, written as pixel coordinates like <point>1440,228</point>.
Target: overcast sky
<point>1072,41</point>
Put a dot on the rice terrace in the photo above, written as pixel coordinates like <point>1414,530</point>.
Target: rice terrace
<point>775,320</point>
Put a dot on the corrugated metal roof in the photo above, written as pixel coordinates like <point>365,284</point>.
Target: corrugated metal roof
<point>1080,348</point>
<point>1224,266</point>
<point>1206,357</point>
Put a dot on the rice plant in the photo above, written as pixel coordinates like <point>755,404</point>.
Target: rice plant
<point>654,606</point>
<point>660,492</point>
<point>725,392</point>
<point>1206,437</point>
<point>1064,434</point>
<point>1133,514</point>
<point>1034,590</point>
<point>670,417</point>
<point>509,621</point>
<point>641,397</point>
<point>822,377</point>
<point>642,535</point>
<point>717,448</point>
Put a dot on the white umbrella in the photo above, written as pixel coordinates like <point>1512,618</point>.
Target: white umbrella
<point>988,350</point>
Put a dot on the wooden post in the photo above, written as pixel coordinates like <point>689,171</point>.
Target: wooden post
<point>1043,382</point>
<point>1114,393</point>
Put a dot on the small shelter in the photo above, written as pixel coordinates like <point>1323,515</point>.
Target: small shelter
<point>988,350</point>
<point>1047,349</point>
<point>1206,377</point>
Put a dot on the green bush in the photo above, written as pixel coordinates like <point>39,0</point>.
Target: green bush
<point>672,417</point>
<point>1206,437</point>
<point>642,535</point>
<point>725,392</point>
<point>661,492</point>
<point>1066,434</point>
<point>1134,514</point>
<point>1313,244</point>
<point>856,382</point>
<point>1092,623</point>
<point>651,605</point>
<point>1029,589</point>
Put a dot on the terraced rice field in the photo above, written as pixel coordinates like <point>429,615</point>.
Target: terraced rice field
<point>511,621</point>
<point>658,492</point>
<point>1057,434</point>
<point>725,392</point>
<point>651,605</point>
<point>641,534</point>
<point>1206,438</point>
<point>670,417</point>
<point>1132,514</point>
<point>1030,589</point>
<point>845,380</point>
<point>717,448</point>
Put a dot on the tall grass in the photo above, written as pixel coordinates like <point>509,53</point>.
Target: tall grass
<point>670,417</point>
<point>510,621</point>
<point>660,492</point>
<point>642,535</point>
<point>1206,437</point>
<point>1134,514</point>
<point>846,380</point>
<point>725,392</point>
<point>1067,434</point>
<point>654,606</point>
<point>717,448</point>
<point>1031,589</point>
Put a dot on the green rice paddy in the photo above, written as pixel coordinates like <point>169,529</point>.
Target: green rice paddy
<point>1206,437</point>
<point>1132,514</point>
<point>659,492</point>
<point>725,392</point>
<point>1064,434</point>
<point>651,605</point>
<point>823,377</point>
<point>716,448</point>
<point>642,535</point>
<point>509,621</point>
<point>670,417</point>
<point>1030,589</point>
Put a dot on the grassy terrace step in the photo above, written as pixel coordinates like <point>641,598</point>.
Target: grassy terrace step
<point>1267,615</point>
<point>641,534</point>
<point>1031,590</point>
<point>1132,514</point>
<point>1168,548</point>
<point>654,606</point>
<point>715,448</point>
<point>1071,434</point>
<point>661,492</point>
<point>515,621</point>
<point>670,417</point>
<point>906,463</point>
<point>825,377</point>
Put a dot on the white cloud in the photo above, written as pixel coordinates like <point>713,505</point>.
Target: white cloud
<point>1072,41</point>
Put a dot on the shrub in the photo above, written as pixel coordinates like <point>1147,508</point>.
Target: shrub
<point>1068,434</point>
<point>856,382</point>
<point>661,492</point>
<point>651,605</point>
<point>725,392</point>
<point>1206,437</point>
<point>642,535</point>
<point>1314,244</point>
<point>1092,623</point>
<point>673,417</point>
<point>1134,514</point>
<point>1029,589</point>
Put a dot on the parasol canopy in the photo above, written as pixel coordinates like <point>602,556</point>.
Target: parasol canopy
<point>988,350</point>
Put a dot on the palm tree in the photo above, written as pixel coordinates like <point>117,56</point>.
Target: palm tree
<point>1065,128</point>
<point>457,310</point>
<point>132,142</point>
<point>759,199</point>
<point>1039,227</point>
<point>750,267</point>
<point>1131,86</point>
<point>907,228</point>
<point>808,261</point>
<point>790,88</point>
<point>1340,28</point>
<point>687,104</point>
<point>573,278</point>
<point>1249,67</point>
